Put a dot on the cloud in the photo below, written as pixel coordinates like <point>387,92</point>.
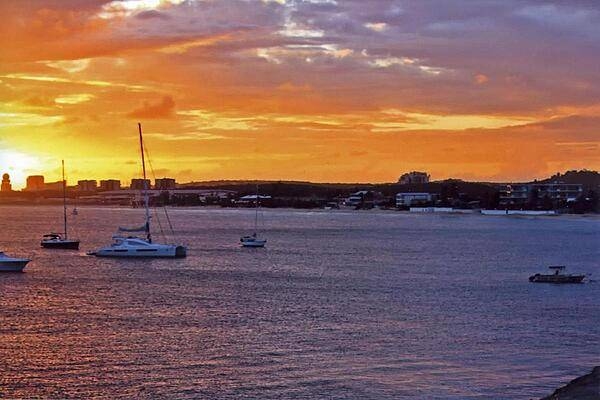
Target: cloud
<point>165,108</point>
<point>74,98</point>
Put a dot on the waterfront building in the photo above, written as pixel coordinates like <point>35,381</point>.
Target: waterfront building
<point>523,193</point>
<point>6,185</point>
<point>165,184</point>
<point>87,185</point>
<point>138,184</point>
<point>408,199</point>
<point>414,177</point>
<point>35,183</point>
<point>110,184</point>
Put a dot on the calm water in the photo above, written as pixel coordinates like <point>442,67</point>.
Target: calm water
<point>341,305</point>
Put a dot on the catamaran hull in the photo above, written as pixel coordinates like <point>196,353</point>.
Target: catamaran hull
<point>13,266</point>
<point>167,252</point>
<point>62,244</point>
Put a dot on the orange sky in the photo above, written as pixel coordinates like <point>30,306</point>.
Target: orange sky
<point>319,90</point>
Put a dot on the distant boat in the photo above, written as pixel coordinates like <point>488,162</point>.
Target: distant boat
<point>556,277</point>
<point>56,240</point>
<point>253,240</point>
<point>131,246</point>
<point>11,264</point>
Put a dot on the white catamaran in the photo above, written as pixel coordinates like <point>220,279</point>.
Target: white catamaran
<point>131,246</point>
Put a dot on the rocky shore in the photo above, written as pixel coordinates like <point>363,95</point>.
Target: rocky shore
<point>586,387</point>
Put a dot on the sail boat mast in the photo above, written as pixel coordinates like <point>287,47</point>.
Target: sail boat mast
<point>147,226</point>
<point>256,213</point>
<point>64,185</point>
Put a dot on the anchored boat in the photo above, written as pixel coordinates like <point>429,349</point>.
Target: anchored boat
<point>12,264</point>
<point>132,246</point>
<point>57,240</point>
<point>254,240</point>
<point>557,277</point>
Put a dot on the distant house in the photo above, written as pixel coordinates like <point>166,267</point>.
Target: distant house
<point>409,199</point>
<point>414,177</point>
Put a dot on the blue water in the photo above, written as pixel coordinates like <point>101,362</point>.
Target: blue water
<point>340,305</point>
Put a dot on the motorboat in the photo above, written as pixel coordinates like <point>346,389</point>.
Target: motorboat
<point>133,246</point>
<point>557,276</point>
<point>12,264</point>
<point>57,240</point>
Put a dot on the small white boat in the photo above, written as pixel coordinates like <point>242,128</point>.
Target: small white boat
<point>253,240</point>
<point>132,246</point>
<point>12,264</point>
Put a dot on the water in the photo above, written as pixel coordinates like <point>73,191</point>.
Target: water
<point>340,305</point>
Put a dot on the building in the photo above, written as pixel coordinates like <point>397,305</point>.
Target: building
<point>110,184</point>
<point>87,185</point>
<point>34,183</point>
<point>138,184</point>
<point>58,185</point>
<point>6,186</point>
<point>535,194</point>
<point>409,199</point>
<point>414,177</point>
<point>165,184</point>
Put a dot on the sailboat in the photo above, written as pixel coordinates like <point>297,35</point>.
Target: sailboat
<point>132,246</point>
<point>253,240</point>
<point>56,240</point>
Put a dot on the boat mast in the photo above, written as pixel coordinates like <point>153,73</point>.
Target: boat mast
<point>64,185</point>
<point>256,214</point>
<point>147,226</point>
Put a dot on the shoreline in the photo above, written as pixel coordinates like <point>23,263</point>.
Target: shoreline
<point>515,214</point>
<point>585,387</point>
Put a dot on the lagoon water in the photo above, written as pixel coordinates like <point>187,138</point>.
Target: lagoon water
<point>340,305</point>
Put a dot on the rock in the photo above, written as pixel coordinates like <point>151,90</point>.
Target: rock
<point>586,387</point>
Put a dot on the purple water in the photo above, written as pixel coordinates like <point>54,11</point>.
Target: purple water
<point>340,305</point>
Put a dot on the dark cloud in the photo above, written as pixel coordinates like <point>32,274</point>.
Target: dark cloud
<point>162,109</point>
<point>151,14</point>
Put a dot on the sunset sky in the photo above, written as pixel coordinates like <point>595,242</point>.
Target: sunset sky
<point>318,90</point>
